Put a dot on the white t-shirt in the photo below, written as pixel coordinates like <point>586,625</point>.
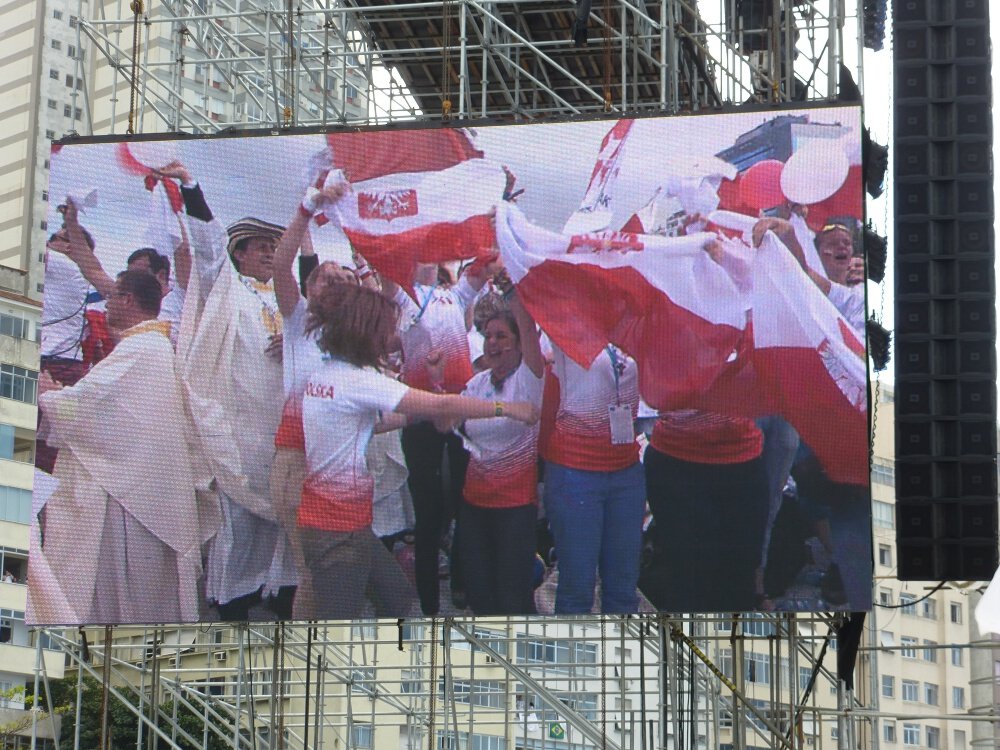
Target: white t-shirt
<point>339,409</point>
<point>503,466</point>
<point>63,324</point>
<point>435,320</point>
<point>300,358</point>
<point>850,302</point>
<point>581,433</point>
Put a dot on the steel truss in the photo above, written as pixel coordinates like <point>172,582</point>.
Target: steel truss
<point>615,683</point>
<point>209,65</point>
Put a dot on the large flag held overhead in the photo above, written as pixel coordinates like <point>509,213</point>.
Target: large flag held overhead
<point>417,196</point>
<point>684,319</point>
<point>661,299</point>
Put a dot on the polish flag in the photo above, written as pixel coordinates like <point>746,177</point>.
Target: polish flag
<point>811,366</point>
<point>661,299</point>
<point>595,209</point>
<point>417,196</point>
<point>684,319</point>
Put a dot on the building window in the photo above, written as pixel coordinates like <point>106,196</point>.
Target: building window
<point>53,104</point>
<point>908,602</point>
<point>882,515</point>
<point>67,110</point>
<point>885,597</point>
<point>933,738</point>
<point>955,612</point>
<point>17,447</point>
<point>909,645</point>
<point>361,735</point>
<point>911,690</point>
<point>57,14</point>
<point>50,134</point>
<point>11,325</point>
<point>77,113</point>
<point>18,383</point>
<point>930,650</point>
<point>71,51</point>
<point>928,608</point>
<point>885,555</point>
<point>363,680</point>
<point>56,44</point>
<point>15,505</point>
<point>888,686</point>
<point>883,473</point>
<point>757,668</point>
<point>889,731</point>
<point>930,694</point>
<point>53,74</point>
<point>72,22</point>
<point>45,195</point>
<point>911,734</point>
<point>958,697</point>
<point>69,80</point>
<point>956,656</point>
<point>40,286</point>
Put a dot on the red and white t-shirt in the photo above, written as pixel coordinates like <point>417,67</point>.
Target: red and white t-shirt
<point>703,437</point>
<point>503,461</point>
<point>300,357</point>
<point>435,319</point>
<point>339,408</point>
<point>580,437</point>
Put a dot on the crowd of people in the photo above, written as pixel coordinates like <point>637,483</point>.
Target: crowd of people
<point>229,437</point>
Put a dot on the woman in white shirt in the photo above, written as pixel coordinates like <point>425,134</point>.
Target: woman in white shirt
<point>344,402</point>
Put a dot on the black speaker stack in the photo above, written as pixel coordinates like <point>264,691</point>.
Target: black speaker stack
<point>945,291</point>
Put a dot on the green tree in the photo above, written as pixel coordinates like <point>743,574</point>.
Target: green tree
<point>9,730</point>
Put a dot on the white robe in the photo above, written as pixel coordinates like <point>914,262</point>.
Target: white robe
<point>122,533</point>
<point>236,395</point>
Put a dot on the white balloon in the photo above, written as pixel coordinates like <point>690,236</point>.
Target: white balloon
<point>814,172</point>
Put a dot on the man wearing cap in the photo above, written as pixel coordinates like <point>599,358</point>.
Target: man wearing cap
<point>230,354</point>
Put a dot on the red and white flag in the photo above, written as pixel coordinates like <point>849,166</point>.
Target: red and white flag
<point>811,366</point>
<point>417,196</point>
<point>661,299</point>
<point>595,211</point>
<point>683,318</point>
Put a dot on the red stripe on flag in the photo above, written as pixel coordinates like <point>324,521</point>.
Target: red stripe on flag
<point>583,307</point>
<point>396,255</point>
<point>835,430</point>
<point>365,156</point>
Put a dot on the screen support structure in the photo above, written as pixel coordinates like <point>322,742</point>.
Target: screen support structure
<point>208,66</point>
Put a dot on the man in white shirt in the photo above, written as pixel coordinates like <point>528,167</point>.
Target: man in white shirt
<point>121,531</point>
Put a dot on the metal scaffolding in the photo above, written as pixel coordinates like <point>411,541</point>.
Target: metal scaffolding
<point>616,683</point>
<point>208,65</point>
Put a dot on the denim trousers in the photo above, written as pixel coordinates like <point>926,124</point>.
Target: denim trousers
<point>596,519</point>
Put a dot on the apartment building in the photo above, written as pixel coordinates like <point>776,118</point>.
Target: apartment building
<point>19,318</point>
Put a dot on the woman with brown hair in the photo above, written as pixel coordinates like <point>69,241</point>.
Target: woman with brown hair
<point>344,402</point>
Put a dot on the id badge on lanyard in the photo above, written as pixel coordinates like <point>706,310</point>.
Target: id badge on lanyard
<point>619,414</point>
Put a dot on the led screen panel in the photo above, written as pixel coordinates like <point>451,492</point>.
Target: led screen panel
<point>612,365</point>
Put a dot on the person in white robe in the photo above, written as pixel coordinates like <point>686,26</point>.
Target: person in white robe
<point>120,531</point>
<point>230,352</point>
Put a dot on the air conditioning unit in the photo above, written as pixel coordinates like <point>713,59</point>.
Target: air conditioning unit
<point>221,656</point>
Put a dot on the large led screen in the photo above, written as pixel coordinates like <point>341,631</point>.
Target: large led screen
<point>594,366</point>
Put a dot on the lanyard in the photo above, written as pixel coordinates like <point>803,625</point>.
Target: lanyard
<point>423,306</point>
<point>617,368</point>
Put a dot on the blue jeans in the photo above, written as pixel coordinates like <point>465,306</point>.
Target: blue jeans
<point>596,519</point>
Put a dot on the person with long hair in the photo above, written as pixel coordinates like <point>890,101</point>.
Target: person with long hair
<point>344,402</point>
